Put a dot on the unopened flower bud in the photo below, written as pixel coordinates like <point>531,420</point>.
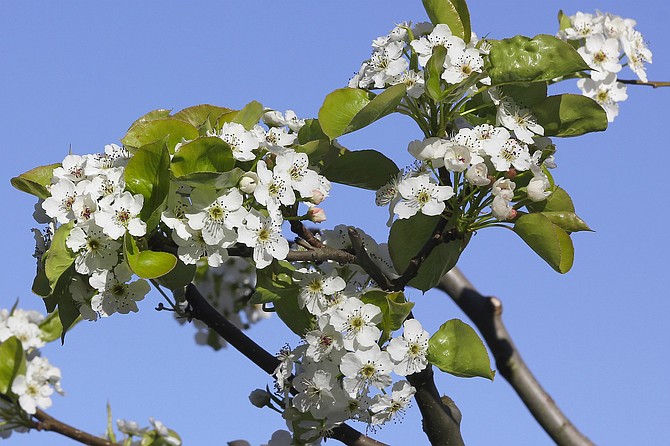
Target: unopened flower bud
<point>259,398</point>
<point>317,215</point>
<point>317,197</point>
<point>273,118</point>
<point>511,173</point>
<point>248,182</point>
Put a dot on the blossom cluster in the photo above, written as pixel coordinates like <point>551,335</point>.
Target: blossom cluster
<point>391,64</point>
<point>343,370</point>
<point>604,39</point>
<point>35,387</point>
<point>228,289</point>
<point>89,194</point>
<point>157,432</point>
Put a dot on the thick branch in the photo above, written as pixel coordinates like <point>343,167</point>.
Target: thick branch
<point>441,417</point>
<point>48,423</point>
<point>203,311</point>
<point>321,255</point>
<point>486,313</point>
<point>653,84</point>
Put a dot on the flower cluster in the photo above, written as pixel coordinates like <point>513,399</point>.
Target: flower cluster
<point>34,387</point>
<point>392,62</point>
<point>604,40</point>
<point>157,433</point>
<point>89,194</point>
<point>343,371</point>
<point>228,289</point>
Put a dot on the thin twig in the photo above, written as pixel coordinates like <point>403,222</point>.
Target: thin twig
<point>48,423</point>
<point>486,313</point>
<point>652,84</point>
<point>201,309</point>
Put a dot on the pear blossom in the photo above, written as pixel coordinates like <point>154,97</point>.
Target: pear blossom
<point>409,351</point>
<point>274,118</point>
<point>216,213</point>
<point>241,141</point>
<point>502,209</point>
<point>120,214</point>
<point>607,92</point>
<point>274,187</point>
<point>389,407</point>
<point>457,157</point>
<point>440,36</point>
<point>461,64</point>
<point>314,287</point>
<point>477,175</point>
<point>293,122</point>
<point>423,194</point>
<point>295,166</point>
<point>386,63</point>
<point>322,342</point>
<point>365,368</point>
<point>602,55</point>
<point>263,234</point>
<point>174,215</point>
<point>430,149</point>
<point>111,182</point>
<point>95,250</point>
<point>637,53</point>
<point>191,249</point>
<point>519,120</point>
<point>583,25</point>
<point>512,153</point>
<point>59,204</point>
<point>115,294</point>
<point>73,169</point>
<point>248,182</point>
<point>357,321</point>
<point>412,80</point>
<point>538,188</point>
<point>503,187</point>
<point>315,392</point>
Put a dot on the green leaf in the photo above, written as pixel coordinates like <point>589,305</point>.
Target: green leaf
<point>147,264</point>
<point>41,285</point>
<point>570,115</point>
<point>350,109</point>
<point>274,283</point>
<point>354,168</point>
<point>12,363</point>
<point>68,313</point>
<point>198,115</point>
<point>58,257</point>
<point>563,21</point>
<point>548,240</point>
<point>147,132</point>
<point>249,115</point>
<point>148,173</point>
<point>311,131</point>
<point>558,201</point>
<point>452,12</point>
<point>542,58</point>
<point>51,327</point>
<point>456,349</point>
<point>35,181</point>
<point>180,276</point>
<point>526,95</point>
<point>151,116</point>
<point>394,307</point>
<point>216,180</point>
<point>434,70</point>
<point>209,154</point>
<point>567,221</point>
<point>300,321</point>
<point>406,239</point>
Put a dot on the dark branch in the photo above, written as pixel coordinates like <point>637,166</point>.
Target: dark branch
<point>48,423</point>
<point>486,313</point>
<point>201,309</point>
<point>441,417</point>
<point>301,231</point>
<point>321,255</point>
<point>653,84</point>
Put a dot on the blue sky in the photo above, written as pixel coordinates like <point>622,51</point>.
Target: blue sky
<point>76,74</point>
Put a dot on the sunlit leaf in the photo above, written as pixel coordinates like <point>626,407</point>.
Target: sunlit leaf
<point>548,240</point>
<point>456,349</point>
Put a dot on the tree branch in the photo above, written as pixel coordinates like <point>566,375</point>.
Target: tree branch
<point>653,84</point>
<point>486,313</point>
<point>201,309</point>
<point>441,417</point>
<point>48,423</point>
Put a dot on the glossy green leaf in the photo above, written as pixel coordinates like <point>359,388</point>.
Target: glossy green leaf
<point>151,116</point>
<point>300,321</point>
<point>526,95</point>
<point>35,181</point>
<point>433,73</point>
<point>51,327</point>
<point>350,109</point>
<point>567,221</point>
<point>548,240</point>
<point>12,363</point>
<point>148,173</point>
<point>452,12</point>
<point>570,115</point>
<point>406,239</point>
<point>180,276</point>
<point>563,21</point>
<point>456,349</point>
<point>250,115</point>
<point>68,313</point>
<point>542,58</point>
<point>41,285</point>
<point>170,129</point>
<point>58,257</point>
<point>198,115</point>
<point>558,201</point>
<point>311,131</point>
<point>367,169</point>
<point>274,283</point>
<point>147,264</point>
<point>394,307</point>
<point>208,154</point>
<point>216,180</point>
